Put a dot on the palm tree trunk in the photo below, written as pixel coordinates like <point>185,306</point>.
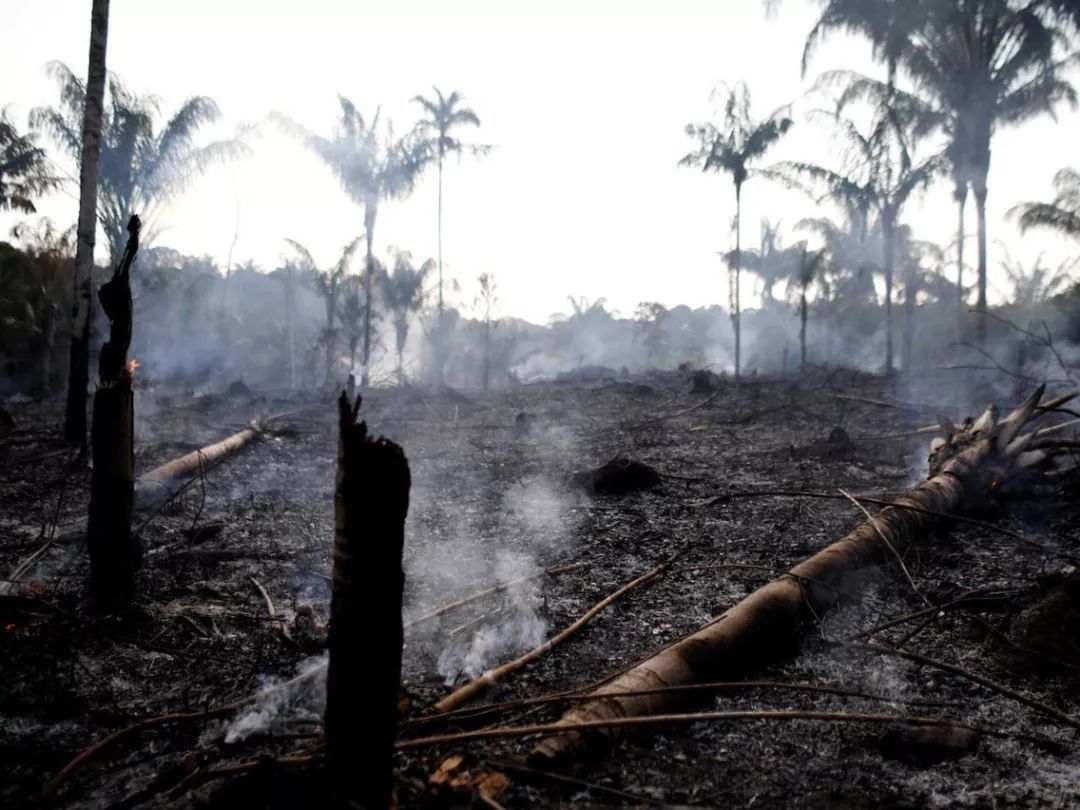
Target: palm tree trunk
<point>960,195</point>
<point>910,291</point>
<point>802,332</point>
<point>290,315</point>
<point>487,352</point>
<point>369,274</point>
<point>439,229</point>
<point>733,281</point>
<point>980,304</point>
<point>331,338</point>
<point>888,227</point>
<point>79,374</point>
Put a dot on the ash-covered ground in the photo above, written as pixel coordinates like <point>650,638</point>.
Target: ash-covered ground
<point>490,506</point>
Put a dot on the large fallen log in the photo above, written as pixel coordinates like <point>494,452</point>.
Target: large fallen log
<point>161,483</point>
<point>967,466</point>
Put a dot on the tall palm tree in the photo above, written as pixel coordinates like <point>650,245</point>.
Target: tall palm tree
<point>1062,214</point>
<point>89,107</point>
<point>143,168</point>
<point>403,291</point>
<point>372,166</point>
<point>977,65</point>
<point>443,115</point>
<point>732,147</point>
<point>328,284</point>
<point>24,170</point>
<point>878,177</point>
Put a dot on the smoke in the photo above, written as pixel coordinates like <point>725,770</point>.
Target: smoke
<point>515,627</point>
<point>302,697</point>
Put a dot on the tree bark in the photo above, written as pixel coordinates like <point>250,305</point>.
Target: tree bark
<point>733,282</point>
<point>369,281</point>
<point>910,293</point>
<point>889,238</point>
<point>980,304</point>
<point>768,623</point>
<point>960,195</point>
<point>802,332</point>
<point>114,553</point>
<point>79,373</point>
<point>371,502</point>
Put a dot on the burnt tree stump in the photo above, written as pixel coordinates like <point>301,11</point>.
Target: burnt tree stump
<point>115,554</point>
<point>371,501</point>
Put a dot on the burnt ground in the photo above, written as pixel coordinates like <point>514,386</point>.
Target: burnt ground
<point>488,506</point>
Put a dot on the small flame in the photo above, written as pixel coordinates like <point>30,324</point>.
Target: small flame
<point>132,365</point>
<point>10,626</point>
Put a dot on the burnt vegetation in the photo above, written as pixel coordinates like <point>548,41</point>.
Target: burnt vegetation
<point>349,535</point>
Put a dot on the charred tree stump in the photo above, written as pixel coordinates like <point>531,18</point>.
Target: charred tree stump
<point>371,501</point>
<point>114,553</point>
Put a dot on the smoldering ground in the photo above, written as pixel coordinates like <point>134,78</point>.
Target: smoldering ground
<point>487,505</point>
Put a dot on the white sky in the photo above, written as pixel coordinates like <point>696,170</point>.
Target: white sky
<point>584,101</point>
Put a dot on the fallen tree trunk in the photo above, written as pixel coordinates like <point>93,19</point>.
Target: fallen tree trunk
<point>966,467</point>
<point>371,501</point>
<point>161,483</point>
<point>115,553</point>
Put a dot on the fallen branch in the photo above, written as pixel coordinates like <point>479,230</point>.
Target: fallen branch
<point>452,606</point>
<point>547,729</point>
<point>974,677</point>
<point>458,715</point>
<point>478,685</point>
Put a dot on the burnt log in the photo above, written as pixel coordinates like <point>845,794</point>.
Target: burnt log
<point>161,483</point>
<point>966,469</point>
<point>115,553</point>
<point>371,501</point>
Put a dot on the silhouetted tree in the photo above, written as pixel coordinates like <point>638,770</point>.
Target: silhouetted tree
<point>878,177</point>
<point>328,286</point>
<point>977,65</point>
<point>143,168</point>
<point>731,147</point>
<point>403,291</point>
<point>1062,214</point>
<point>24,169</point>
<point>444,115</point>
<point>86,107</point>
<point>372,167</point>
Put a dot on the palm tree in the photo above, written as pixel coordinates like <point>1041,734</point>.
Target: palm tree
<point>811,263</point>
<point>403,291</point>
<point>977,65</point>
<point>371,168</point>
<point>443,116</point>
<point>731,148</point>
<point>24,173</point>
<point>143,168</point>
<point>879,176</point>
<point>328,285</point>
<point>1038,283</point>
<point>89,107</point>
<point>1062,214</point>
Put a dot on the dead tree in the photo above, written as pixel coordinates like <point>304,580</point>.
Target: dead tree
<point>371,501</point>
<point>967,467</point>
<point>115,553</point>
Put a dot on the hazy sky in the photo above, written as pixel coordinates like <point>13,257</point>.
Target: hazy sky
<point>585,103</point>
